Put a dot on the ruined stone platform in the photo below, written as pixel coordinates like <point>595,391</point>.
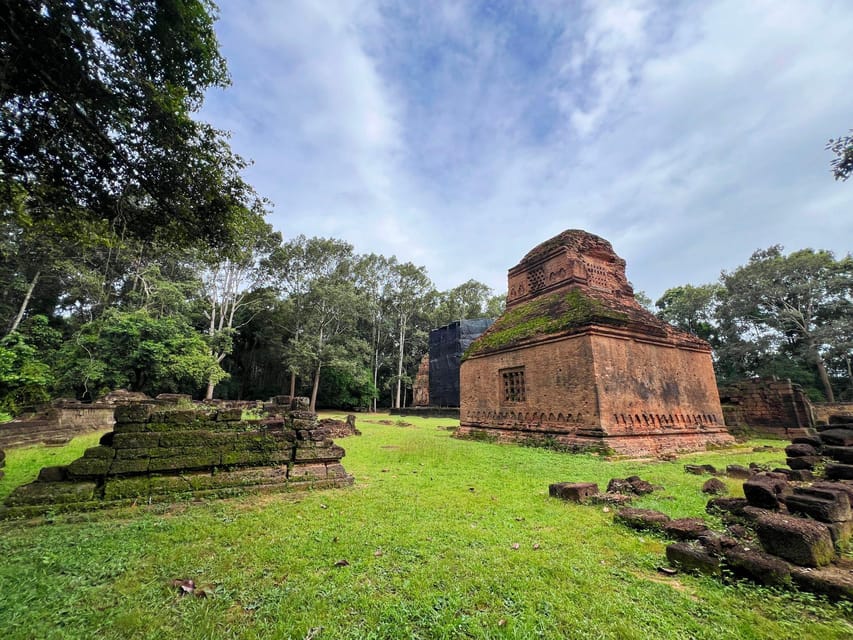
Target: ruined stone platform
<point>161,456</point>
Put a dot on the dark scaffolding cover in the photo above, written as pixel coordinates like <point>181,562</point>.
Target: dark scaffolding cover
<point>446,346</point>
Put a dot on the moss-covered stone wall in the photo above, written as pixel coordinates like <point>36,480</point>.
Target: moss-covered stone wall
<point>154,455</point>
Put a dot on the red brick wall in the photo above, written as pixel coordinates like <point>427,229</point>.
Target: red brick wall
<point>652,388</point>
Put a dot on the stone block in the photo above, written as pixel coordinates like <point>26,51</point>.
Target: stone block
<point>51,493</point>
<point>573,491</point>
<point>335,470</point>
<point>738,471</point>
<point>132,413</point>
<point>800,450</point>
<point>123,466</point>
<point>100,452</point>
<point>201,460</point>
<point>835,509</point>
<point>229,415</point>
<point>841,533</point>
<point>841,419</point>
<point>764,492</point>
<point>693,558</point>
<point>641,518</point>
<point>804,542</point>
<point>170,484</point>
<point>758,566</point>
<point>840,437</point>
<point>136,440</point>
<point>700,469</point>
<point>807,463</point>
<point>837,471</point>
<point>319,454</point>
<point>733,506</point>
<point>307,471</point>
<point>834,582</point>
<point>813,441</point>
<point>129,454</point>
<point>715,486</point>
<point>130,427</point>
<point>685,528</point>
<point>835,487</point>
<point>88,467</point>
<point>53,474</point>
<point>237,478</point>
<point>193,438</point>
<point>795,475</point>
<point>300,404</point>
<point>284,401</point>
<point>841,454</point>
<point>125,488</point>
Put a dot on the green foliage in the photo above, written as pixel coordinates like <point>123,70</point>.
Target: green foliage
<point>691,309</point>
<point>427,532</point>
<point>137,351</point>
<point>343,389</point>
<point>842,163</point>
<point>25,379</point>
<point>106,91</point>
<point>548,315</point>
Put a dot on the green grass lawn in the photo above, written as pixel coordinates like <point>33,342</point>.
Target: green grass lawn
<point>427,531</point>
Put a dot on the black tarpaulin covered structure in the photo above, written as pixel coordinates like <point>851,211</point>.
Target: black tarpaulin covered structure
<point>446,346</point>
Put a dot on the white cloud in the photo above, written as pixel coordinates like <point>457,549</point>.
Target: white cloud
<point>458,136</point>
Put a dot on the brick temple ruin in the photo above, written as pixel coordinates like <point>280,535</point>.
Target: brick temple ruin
<point>576,362</point>
<point>157,455</point>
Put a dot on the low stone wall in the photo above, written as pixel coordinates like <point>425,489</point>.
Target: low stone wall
<point>155,455</point>
<point>823,410</point>
<point>427,412</point>
<point>773,407</point>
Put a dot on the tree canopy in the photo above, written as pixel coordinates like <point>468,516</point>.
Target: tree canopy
<point>96,119</point>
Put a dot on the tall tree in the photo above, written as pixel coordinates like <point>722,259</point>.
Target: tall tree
<point>374,279</point>
<point>411,289</point>
<point>799,301</point>
<point>229,279</point>
<point>691,308</point>
<point>467,301</point>
<point>295,266</point>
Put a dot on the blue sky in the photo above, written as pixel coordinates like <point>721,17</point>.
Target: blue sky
<point>459,134</point>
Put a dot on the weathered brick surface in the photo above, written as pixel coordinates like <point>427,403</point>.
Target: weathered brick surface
<point>689,557</point>
<point>804,542</point>
<point>573,491</point>
<point>776,407</point>
<point>634,385</point>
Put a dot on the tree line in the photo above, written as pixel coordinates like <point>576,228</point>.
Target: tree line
<point>788,316</point>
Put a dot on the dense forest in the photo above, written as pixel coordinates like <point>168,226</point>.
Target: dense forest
<point>134,255</point>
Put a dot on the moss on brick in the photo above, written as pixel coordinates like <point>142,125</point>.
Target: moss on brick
<point>51,493</point>
<point>107,453</point>
<point>136,440</point>
<point>118,488</point>
<point>123,466</point>
<point>203,460</point>
<point>88,467</point>
<point>548,315</point>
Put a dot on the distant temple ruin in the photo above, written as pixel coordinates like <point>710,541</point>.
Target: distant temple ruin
<point>576,362</point>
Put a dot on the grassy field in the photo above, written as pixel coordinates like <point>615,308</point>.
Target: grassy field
<point>427,535</point>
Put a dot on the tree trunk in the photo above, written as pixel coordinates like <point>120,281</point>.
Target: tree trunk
<point>400,363</point>
<point>824,379</point>
<point>25,303</point>
<point>292,384</point>
<point>209,393</point>
<point>314,387</point>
